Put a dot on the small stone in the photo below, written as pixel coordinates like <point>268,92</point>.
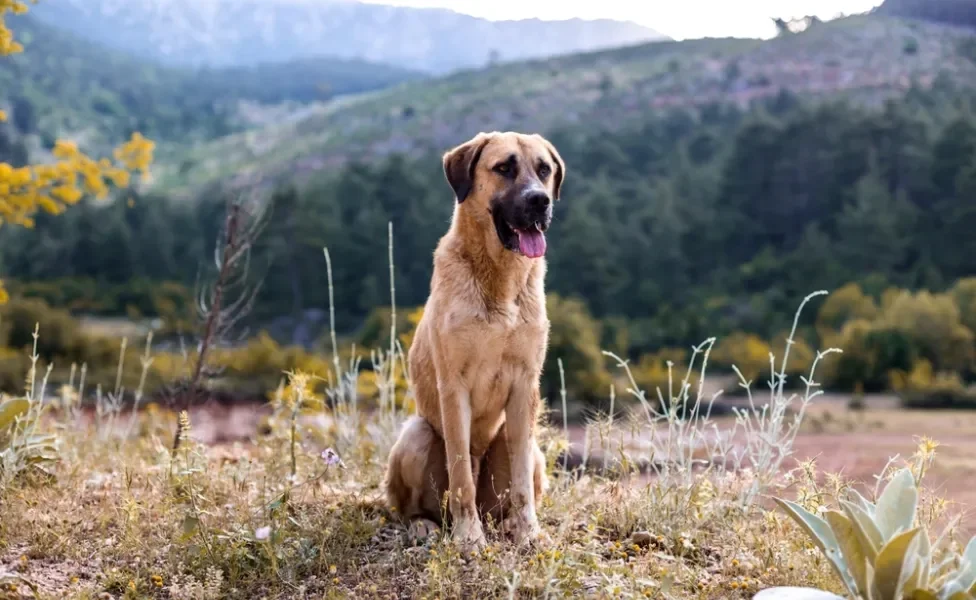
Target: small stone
<point>795,593</point>
<point>641,538</point>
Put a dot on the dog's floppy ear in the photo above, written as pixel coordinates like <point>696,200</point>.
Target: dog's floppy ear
<point>560,175</point>
<point>459,165</point>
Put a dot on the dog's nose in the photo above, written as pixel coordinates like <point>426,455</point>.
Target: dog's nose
<point>537,199</point>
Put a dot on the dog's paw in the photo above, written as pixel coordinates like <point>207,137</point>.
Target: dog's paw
<point>525,531</point>
<point>420,530</point>
<point>470,536</point>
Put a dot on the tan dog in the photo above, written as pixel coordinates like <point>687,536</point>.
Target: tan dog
<point>478,351</point>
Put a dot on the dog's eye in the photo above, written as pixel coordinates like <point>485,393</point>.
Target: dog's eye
<point>503,168</point>
<point>544,171</point>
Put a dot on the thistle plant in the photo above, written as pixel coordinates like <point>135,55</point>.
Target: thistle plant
<point>298,396</point>
<point>880,551</point>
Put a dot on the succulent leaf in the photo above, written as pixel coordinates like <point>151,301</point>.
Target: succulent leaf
<point>867,531</point>
<point>865,504</point>
<point>965,579</point>
<point>11,409</point>
<point>850,545</point>
<point>823,536</point>
<point>895,558</point>
<point>895,510</point>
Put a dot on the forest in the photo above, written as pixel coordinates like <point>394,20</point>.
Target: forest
<point>692,225</point>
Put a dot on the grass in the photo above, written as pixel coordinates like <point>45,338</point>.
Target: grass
<point>297,511</point>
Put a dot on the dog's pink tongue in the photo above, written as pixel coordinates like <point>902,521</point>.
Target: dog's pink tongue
<point>532,243</point>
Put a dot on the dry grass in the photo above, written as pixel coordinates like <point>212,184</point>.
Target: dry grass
<point>294,508</point>
<point>133,520</point>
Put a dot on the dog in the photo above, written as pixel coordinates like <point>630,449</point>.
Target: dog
<point>477,354</point>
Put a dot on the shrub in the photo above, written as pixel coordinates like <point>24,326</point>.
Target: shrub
<point>922,387</point>
<point>574,338</point>
<point>653,375</point>
<point>748,352</point>
<point>911,46</point>
<point>964,295</point>
<point>933,323</point>
<point>847,304</point>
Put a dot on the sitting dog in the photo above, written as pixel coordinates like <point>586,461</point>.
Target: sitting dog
<point>478,351</point>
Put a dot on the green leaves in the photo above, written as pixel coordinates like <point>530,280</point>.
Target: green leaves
<point>879,551</point>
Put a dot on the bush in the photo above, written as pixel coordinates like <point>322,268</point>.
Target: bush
<point>933,324</point>
<point>947,398</point>
<point>574,337</point>
<point>964,295</point>
<point>922,387</point>
<point>654,379</point>
<point>745,351</point>
<point>847,304</point>
<point>170,301</point>
<point>911,46</point>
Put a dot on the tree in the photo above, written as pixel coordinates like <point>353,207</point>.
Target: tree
<point>26,190</point>
<point>875,230</point>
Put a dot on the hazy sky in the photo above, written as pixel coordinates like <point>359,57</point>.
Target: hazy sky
<point>680,19</point>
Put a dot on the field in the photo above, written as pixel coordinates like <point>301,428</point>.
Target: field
<point>285,501</point>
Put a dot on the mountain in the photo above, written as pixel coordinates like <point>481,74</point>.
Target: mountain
<point>243,32</point>
<point>866,58</point>
<point>950,12</point>
<point>65,86</point>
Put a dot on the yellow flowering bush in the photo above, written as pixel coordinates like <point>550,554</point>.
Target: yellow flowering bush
<point>7,43</point>
<point>53,187</point>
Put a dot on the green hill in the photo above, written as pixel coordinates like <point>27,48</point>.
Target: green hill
<point>712,185</point>
<point>63,86</point>
<point>867,58</point>
<point>949,12</point>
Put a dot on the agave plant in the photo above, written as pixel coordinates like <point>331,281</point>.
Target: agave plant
<point>881,553</point>
<point>22,447</point>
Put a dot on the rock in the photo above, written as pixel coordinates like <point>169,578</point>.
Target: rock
<point>641,538</point>
<point>795,593</point>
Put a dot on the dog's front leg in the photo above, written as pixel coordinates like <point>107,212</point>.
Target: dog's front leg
<point>456,419</point>
<point>520,415</point>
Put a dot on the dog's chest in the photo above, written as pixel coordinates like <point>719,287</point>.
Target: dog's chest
<point>504,360</point>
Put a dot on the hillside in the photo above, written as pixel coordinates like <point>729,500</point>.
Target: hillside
<point>65,86</point>
<point>950,12</point>
<point>867,58</point>
<point>243,32</point>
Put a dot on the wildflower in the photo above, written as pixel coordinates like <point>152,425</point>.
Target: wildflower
<point>262,533</point>
<point>157,581</point>
<point>333,569</point>
<point>331,458</point>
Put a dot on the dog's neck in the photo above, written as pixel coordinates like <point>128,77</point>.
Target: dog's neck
<point>501,274</point>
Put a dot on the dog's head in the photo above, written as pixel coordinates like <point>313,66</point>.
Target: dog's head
<point>516,178</point>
